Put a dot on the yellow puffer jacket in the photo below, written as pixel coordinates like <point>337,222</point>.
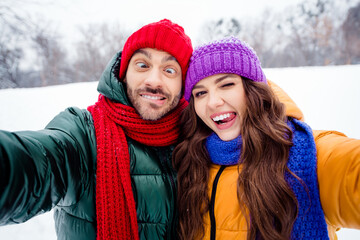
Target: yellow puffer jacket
<point>338,176</point>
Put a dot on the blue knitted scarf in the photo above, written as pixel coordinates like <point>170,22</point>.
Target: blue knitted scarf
<point>310,222</point>
<point>223,152</point>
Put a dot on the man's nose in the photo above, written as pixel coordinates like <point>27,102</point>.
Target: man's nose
<point>154,78</point>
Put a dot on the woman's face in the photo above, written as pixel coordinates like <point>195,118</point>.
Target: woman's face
<point>219,101</point>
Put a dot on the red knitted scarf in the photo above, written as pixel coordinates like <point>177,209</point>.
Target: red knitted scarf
<point>115,204</point>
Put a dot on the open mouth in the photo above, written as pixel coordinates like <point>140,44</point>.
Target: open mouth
<point>152,97</point>
<point>224,118</point>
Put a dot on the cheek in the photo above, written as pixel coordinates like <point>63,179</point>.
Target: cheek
<point>134,78</point>
<point>128,79</point>
<point>199,110</point>
<point>238,100</point>
<point>243,104</point>
<point>173,86</point>
<point>176,86</point>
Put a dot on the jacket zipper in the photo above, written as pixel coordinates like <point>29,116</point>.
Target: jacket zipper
<point>173,206</point>
<point>212,204</point>
<point>175,214</point>
<point>170,176</point>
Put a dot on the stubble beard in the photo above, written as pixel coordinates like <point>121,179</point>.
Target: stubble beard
<point>149,111</point>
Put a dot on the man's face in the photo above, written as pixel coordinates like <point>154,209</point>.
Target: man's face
<point>153,81</point>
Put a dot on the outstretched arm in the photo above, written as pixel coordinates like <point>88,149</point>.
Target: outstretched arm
<point>39,169</point>
<point>339,178</point>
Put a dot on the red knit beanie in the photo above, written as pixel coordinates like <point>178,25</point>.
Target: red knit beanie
<point>163,35</point>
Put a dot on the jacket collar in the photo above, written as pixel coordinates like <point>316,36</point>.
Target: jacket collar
<point>110,85</point>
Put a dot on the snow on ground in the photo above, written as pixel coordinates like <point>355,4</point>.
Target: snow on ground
<point>328,97</point>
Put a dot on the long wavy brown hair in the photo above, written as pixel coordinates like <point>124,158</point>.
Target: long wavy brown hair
<point>265,197</point>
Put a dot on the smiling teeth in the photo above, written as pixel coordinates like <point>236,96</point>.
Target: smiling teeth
<point>151,97</point>
<point>221,117</point>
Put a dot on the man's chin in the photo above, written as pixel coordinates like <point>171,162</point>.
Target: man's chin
<point>152,116</point>
<point>148,112</point>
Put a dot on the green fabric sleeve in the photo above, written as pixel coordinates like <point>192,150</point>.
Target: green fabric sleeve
<point>42,169</point>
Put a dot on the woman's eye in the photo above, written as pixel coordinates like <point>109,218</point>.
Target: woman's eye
<point>141,65</point>
<point>199,94</point>
<point>227,85</point>
<point>170,70</point>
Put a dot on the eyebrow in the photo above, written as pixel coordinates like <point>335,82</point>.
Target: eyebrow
<point>148,55</point>
<point>216,81</point>
<point>169,58</point>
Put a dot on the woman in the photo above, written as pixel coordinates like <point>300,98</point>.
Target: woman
<point>248,170</point>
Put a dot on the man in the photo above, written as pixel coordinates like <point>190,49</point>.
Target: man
<point>107,170</point>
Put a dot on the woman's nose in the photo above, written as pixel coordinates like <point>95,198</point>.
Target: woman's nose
<point>215,99</point>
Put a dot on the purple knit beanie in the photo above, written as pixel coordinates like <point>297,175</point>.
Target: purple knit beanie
<point>229,55</point>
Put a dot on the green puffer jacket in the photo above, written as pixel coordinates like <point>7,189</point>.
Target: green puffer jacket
<point>55,168</point>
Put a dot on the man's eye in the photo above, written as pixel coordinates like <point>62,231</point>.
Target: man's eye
<point>170,70</point>
<point>141,65</point>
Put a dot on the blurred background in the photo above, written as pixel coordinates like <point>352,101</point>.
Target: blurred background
<point>48,42</point>
<point>311,48</point>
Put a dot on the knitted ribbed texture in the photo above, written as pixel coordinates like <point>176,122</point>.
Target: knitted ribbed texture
<point>229,55</point>
<point>115,204</point>
<point>310,223</point>
<point>163,35</point>
<point>223,152</point>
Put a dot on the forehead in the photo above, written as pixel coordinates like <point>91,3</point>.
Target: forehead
<point>214,79</point>
<point>152,53</point>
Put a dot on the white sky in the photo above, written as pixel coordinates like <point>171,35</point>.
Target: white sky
<point>131,14</point>
<point>65,17</point>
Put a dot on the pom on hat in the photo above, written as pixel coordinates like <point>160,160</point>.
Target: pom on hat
<point>163,35</point>
<point>229,55</point>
